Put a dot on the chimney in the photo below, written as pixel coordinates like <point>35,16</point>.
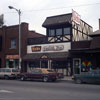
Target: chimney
<point>99,24</point>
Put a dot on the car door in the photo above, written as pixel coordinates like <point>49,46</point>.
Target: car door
<point>97,76</point>
<point>2,73</point>
<point>88,77</point>
<point>37,74</point>
<point>92,77</point>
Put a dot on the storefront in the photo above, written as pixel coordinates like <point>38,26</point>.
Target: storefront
<point>85,60</point>
<point>53,56</point>
<point>12,61</point>
<point>85,54</point>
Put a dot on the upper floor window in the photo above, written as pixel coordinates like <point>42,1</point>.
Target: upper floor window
<point>66,31</point>
<point>13,43</point>
<point>51,32</point>
<point>58,31</point>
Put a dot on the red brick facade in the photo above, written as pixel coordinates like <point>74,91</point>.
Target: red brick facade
<point>9,32</point>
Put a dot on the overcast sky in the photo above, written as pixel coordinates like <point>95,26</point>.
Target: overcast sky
<point>35,12</point>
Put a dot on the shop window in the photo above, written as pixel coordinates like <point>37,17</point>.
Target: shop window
<point>34,64</point>
<point>59,64</point>
<point>11,64</point>
<point>16,63</point>
<point>13,43</point>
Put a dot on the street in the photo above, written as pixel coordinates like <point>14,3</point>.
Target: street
<point>35,90</point>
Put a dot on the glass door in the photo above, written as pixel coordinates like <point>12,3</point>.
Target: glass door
<point>44,64</point>
<point>76,66</point>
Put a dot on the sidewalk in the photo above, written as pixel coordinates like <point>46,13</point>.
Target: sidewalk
<point>67,78</point>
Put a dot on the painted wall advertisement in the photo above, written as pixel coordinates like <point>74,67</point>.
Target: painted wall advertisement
<point>44,48</point>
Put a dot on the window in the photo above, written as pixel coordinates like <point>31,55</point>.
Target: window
<point>2,70</point>
<point>7,70</point>
<point>66,31</point>
<point>13,43</point>
<point>51,32</point>
<point>58,31</point>
<point>0,43</point>
<point>37,71</point>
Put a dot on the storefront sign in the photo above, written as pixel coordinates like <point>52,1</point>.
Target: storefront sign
<point>36,48</point>
<point>12,57</point>
<point>45,48</point>
<point>76,17</point>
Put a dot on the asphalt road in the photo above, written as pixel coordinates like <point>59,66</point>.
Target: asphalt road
<point>61,90</point>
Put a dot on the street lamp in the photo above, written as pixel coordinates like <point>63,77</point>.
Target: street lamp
<point>19,13</point>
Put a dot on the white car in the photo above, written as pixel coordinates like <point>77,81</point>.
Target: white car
<point>8,73</point>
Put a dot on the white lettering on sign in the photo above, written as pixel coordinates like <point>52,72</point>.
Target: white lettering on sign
<point>53,48</point>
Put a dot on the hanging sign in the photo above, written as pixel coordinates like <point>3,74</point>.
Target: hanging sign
<point>76,17</point>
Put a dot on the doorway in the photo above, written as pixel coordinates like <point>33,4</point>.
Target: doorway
<point>76,65</point>
<point>44,64</point>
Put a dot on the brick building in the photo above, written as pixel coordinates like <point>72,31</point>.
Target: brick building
<point>9,44</point>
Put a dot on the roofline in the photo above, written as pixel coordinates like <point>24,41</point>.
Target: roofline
<point>16,25</point>
<point>67,14</point>
<point>59,15</point>
<point>36,32</point>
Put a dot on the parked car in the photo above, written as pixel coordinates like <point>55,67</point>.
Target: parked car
<point>93,76</point>
<point>8,73</point>
<point>59,75</point>
<point>39,74</point>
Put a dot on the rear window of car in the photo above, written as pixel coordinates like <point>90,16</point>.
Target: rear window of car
<point>2,70</point>
<point>15,70</point>
<point>7,70</point>
<point>36,71</point>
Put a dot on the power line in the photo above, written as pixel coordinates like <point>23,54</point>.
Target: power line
<point>63,7</point>
<point>57,8</point>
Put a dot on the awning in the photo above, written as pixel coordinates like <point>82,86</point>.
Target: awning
<point>86,50</point>
<point>35,56</point>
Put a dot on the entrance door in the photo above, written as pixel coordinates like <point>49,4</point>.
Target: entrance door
<point>44,64</point>
<point>76,65</point>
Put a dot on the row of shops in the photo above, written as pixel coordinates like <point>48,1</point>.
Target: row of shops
<point>67,47</point>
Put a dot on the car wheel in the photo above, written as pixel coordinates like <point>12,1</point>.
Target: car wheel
<point>45,79</point>
<point>78,81</point>
<point>6,77</point>
<point>22,78</point>
<point>53,80</point>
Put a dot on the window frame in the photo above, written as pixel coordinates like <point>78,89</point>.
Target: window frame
<point>65,32</point>
<point>60,33</point>
<point>13,43</point>
<point>49,31</point>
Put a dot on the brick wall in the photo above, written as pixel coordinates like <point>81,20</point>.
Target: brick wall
<point>7,33</point>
